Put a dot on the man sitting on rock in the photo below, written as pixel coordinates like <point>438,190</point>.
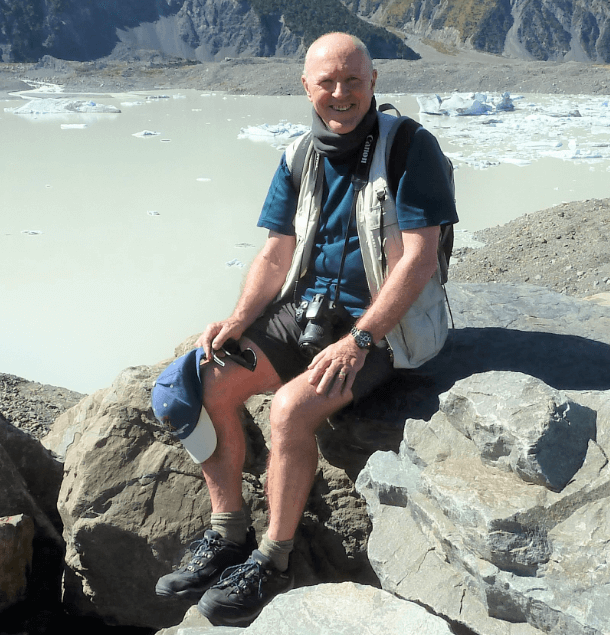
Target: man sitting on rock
<point>345,259</point>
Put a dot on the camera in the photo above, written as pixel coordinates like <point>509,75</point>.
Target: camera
<point>319,320</point>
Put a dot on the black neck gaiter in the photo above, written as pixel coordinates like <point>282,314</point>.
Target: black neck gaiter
<point>340,147</point>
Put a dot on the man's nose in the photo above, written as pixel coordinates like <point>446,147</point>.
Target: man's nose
<point>340,89</point>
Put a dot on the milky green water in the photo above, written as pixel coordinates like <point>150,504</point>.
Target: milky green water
<point>136,234</point>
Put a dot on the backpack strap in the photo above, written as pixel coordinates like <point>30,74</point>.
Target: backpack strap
<point>298,160</point>
<point>397,148</point>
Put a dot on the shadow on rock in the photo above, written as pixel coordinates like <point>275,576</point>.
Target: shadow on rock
<point>565,362</point>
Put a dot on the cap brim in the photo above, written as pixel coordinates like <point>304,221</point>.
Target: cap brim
<point>201,443</point>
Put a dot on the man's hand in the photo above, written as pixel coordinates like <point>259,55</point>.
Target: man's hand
<point>217,333</point>
<point>334,369</point>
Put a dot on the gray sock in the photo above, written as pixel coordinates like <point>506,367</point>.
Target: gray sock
<point>277,550</point>
<point>232,526</point>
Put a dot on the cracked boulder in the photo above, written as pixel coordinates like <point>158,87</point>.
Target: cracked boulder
<point>132,501</point>
<point>494,513</point>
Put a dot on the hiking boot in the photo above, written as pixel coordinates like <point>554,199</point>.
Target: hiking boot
<point>243,591</point>
<point>211,556</point>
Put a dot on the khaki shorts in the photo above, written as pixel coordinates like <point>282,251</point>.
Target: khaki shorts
<point>276,332</point>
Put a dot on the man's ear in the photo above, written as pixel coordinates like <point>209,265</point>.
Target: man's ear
<point>305,86</point>
<point>374,80</point>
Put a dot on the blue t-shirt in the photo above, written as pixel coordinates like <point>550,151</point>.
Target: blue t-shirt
<point>423,199</point>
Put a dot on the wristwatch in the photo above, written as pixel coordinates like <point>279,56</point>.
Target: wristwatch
<point>363,338</point>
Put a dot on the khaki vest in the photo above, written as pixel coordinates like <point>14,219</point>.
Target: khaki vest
<point>422,331</point>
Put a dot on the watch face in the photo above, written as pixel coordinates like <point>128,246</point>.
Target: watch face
<point>363,338</point>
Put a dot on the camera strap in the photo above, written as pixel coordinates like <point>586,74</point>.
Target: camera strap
<point>360,178</point>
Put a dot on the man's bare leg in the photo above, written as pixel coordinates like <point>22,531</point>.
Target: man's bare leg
<point>225,391</point>
<point>296,413</point>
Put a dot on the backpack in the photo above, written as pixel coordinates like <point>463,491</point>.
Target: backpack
<point>404,128</point>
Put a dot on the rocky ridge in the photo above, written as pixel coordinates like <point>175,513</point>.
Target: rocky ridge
<point>213,29</point>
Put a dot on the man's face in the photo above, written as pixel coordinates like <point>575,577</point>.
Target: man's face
<point>340,83</point>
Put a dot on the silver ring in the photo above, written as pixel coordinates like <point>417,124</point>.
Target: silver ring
<point>342,375</point>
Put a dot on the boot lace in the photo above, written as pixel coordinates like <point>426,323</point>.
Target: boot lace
<point>245,579</point>
<point>202,550</point>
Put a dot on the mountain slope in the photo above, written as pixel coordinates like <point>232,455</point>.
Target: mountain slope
<point>214,29</point>
<point>535,29</point>
<point>195,29</point>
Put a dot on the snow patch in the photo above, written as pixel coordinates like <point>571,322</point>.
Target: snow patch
<point>51,106</point>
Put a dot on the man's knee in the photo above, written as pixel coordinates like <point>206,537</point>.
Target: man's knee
<point>297,412</point>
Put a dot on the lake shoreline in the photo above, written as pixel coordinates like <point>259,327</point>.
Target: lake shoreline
<point>441,71</point>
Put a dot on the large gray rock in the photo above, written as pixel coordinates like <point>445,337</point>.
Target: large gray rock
<point>41,472</point>
<point>16,551</point>
<point>132,501</point>
<point>29,482</point>
<point>328,609</point>
<point>495,512</point>
<point>565,342</point>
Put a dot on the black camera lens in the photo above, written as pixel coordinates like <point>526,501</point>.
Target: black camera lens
<point>315,337</point>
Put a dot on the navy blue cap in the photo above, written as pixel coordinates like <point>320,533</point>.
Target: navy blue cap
<point>177,401</point>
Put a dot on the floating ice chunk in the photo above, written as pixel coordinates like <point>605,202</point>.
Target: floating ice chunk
<point>204,179</point>
<point>152,213</point>
<point>515,161</point>
<point>51,106</point>
<point>505,104</point>
<point>156,97</point>
<point>73,126</point>
<point>31,232</point>
<point>146,133</point>
<point>128,104</point>
<point>276,134</point>
<point>235,263</point>
<point>430,104</point>
<point>463,105</point>
<point>244,245</point>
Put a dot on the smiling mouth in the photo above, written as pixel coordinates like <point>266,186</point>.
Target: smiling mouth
<point>341,108</point>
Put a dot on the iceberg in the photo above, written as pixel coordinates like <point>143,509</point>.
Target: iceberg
<point>278,135</point>
<point>505,104</point>
<point>146,133</point>
<point>52,106</point>
<point>570,128</point>
<point>462,105</point>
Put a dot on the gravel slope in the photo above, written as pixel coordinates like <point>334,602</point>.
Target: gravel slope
<point>565,248</point>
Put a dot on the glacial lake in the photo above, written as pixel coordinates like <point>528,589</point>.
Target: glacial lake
<point>123,234</point>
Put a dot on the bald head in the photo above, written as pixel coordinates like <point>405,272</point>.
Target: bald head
<point>339,80</point>
<point>332,41</point>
